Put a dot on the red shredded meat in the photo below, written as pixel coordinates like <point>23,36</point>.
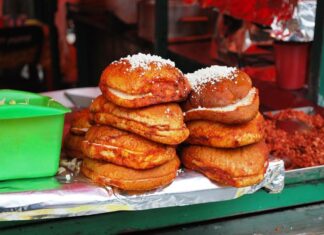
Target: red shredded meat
<point>297,148</point>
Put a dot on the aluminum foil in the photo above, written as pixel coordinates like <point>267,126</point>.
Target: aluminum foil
<point>234,38</point>
<point>300,27</point>
<point>281,20</point>
<point>70,194</point>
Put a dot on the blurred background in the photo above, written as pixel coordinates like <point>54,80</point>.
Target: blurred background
<point>50,45</point>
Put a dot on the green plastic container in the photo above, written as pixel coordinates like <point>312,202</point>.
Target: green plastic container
<point>31,128</point>
<point>35,184</point>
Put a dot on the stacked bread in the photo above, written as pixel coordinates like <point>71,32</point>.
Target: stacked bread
<point>80,124</point>
<point>137,124</point>
<point>226,128</point>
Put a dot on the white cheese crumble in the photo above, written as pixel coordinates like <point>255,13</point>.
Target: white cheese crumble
<point>211,74</point>
<point>141,60</point>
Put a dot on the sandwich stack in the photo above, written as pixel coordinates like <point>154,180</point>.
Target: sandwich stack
<point>80,124</point>
<point>226,129</point>
<point>137,124</point>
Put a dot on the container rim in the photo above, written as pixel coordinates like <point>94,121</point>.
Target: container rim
<point>21,104</point>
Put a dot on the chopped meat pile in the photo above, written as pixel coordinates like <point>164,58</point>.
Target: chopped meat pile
<point>299,148</point>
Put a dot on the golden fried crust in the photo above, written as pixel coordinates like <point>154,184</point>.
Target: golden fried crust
<point>80,122</point>
<point>163,83</point>
<point>238,167</point>
<point>124,148</point>
<point>240,114</point>
<point>161,123</point>
<point>72,145</point>
<point>220,93</point>
<point>107,174</point>
<point>220,135</point>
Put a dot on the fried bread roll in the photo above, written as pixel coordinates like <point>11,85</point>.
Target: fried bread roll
<point>107,174</point>
<point>72,145</point>
<point>80,122</point>
<point>241,112</point>
<point>220,135</point>
<point>124,148</point>
<point>221,94</point>
<point>161,123</point>
<point>141,80</point>
<point>238,167</point>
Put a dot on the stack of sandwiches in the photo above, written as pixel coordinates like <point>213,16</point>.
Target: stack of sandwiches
<point>80,124</point>
<point>137,124</point>
<point>129,135</point>
<point>226,129</point>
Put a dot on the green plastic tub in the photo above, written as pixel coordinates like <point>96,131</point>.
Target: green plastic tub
<point>31,128</point>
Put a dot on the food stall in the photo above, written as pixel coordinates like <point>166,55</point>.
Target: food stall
<point>283,202</point>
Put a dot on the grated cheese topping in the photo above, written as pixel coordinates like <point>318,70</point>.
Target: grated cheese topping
<point>141,60</point>
<point>212,74</point>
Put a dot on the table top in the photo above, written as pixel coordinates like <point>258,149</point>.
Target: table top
<point>259,202</point>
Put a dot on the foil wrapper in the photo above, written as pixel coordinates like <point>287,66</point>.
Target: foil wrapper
<point>300,27</point>
<point>241,33</point>
<point>70,194</point>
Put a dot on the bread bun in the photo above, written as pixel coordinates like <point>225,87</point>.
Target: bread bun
<point>141,80</point>
<point>221,94</point>
<point>107,174</point>
<point>80,122</point>
<point>238,167</point>
<point>220,135</point>
<point>72,145</point>
<point>162,123</point>
<point>217,86</point>
<point>124,148</point>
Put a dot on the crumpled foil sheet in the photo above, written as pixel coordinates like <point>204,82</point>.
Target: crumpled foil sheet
<point>292,21</point>
<point>70,194</point>
<point>300,28</point>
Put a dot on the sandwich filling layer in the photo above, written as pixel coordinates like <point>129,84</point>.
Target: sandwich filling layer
<point>126,96</point>
<point>247,100</point>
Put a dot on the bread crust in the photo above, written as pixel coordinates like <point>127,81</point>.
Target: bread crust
<point>220,135</point>
<point>72,145</point>
<point>219,92</point>
<point>108,174</point>
<point>157,83</point>
<point>238,167</point>
<point>240,114</point>
<point>161,123</point>
<point>80,122</point>
<point>124,148</point>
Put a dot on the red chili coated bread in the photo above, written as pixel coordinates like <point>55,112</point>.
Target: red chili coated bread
<point>80,122</point>
<point>124,148</point>
<point>221,94</point>
<point>72,145</point>
<point>162,123</point>
<point>108,174</point>
<point>141,80</point>
<point>215,134</point>
<point>238,167</point>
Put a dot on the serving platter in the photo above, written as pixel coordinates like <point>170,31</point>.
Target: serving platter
<point>82,97</point>
<point>74,97</point>
<point>69,194</point>
<point>304,174</point>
